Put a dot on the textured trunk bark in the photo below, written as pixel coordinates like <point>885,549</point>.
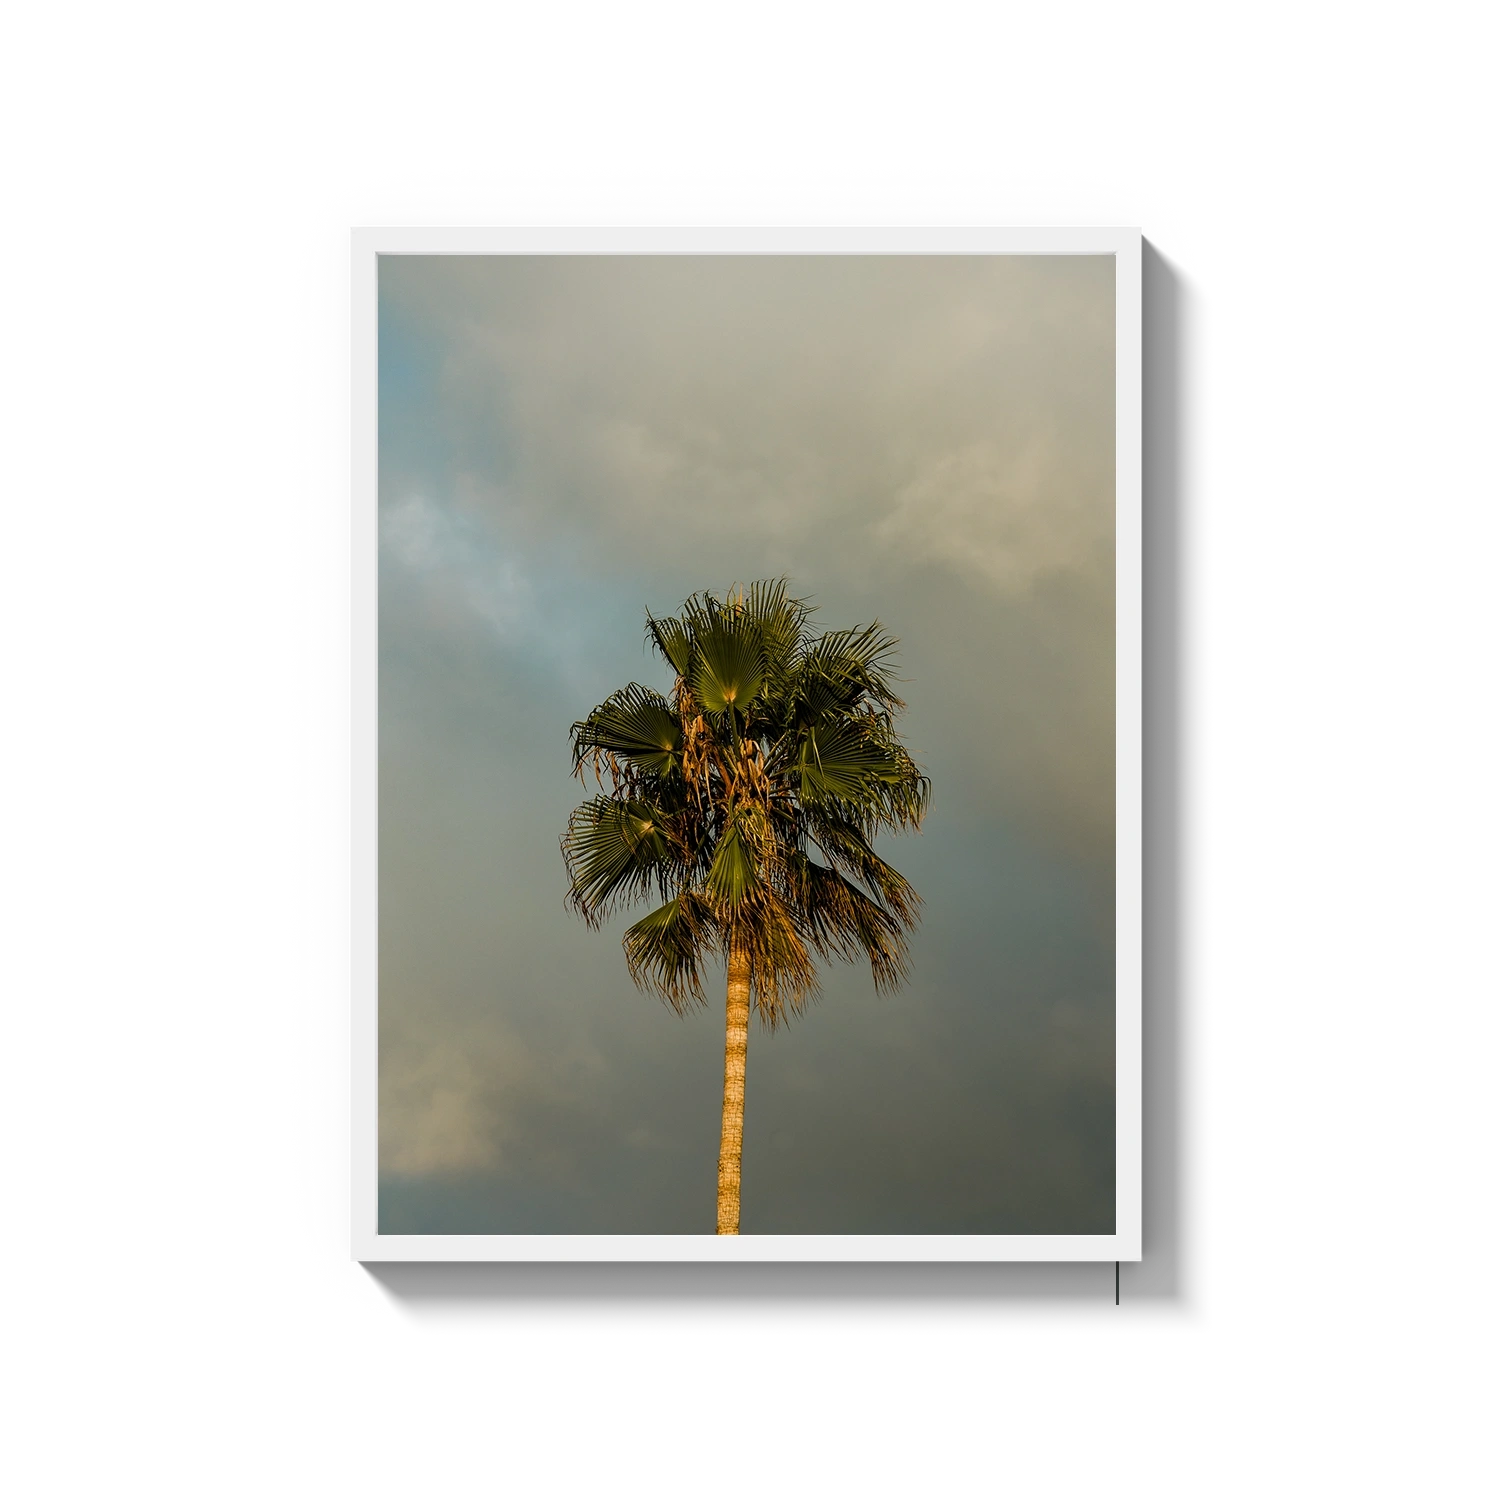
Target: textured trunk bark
<point>732,1130</point>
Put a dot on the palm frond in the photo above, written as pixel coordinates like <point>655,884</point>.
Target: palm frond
<point>848,851</point>
<point>862,647</point>
<point>672,640</point>
<point>665,949</point>
<point>702,612</point>
<point>859,657</point>
<point>782,622</point>
<point>614,851</point>
<point>844,761</point>
<point>728,664</point>
<point>907,796</point>
<point>843,922</point>
<point>732,873</point>
<point>637,723</point>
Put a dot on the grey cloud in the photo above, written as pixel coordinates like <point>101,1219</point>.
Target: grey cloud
<point>1002,517</point>
<point>694,394</point>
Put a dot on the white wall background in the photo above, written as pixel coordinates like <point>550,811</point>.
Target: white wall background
<point>1317,1314</point>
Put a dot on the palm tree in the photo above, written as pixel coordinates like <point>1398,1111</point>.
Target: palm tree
<point>775,746</point>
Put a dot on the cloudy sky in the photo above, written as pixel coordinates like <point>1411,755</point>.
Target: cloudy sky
<point>566,442</point>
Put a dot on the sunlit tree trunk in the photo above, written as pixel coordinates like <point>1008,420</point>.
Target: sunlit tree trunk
<point>732,1130</point>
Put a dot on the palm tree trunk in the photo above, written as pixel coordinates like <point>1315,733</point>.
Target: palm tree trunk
<point>732,1130</point>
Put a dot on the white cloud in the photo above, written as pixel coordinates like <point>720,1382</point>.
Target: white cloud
<point>461,559</point>
<point>1006,517</point>
<point>437,1108</point>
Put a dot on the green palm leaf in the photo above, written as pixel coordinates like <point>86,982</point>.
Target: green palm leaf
<point>862,651</point>
<point>843,922</point>
<point>635,722</point>
<point>672,640</point>
<point>732,873</point>
<point>664,950</point>
<point>782,623</point>
<point>613,851</point>
<point>728,664</point>
<point>847,849</point>
<point>844,762</point>
<point>856,665</point>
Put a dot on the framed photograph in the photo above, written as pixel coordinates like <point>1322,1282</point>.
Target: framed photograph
<point>747,737</point>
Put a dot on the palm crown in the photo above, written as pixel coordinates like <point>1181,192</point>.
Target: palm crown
<point>747,802</point>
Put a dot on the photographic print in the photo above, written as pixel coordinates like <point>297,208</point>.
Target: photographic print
<point>747,748</point>
<point>741,744</point>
